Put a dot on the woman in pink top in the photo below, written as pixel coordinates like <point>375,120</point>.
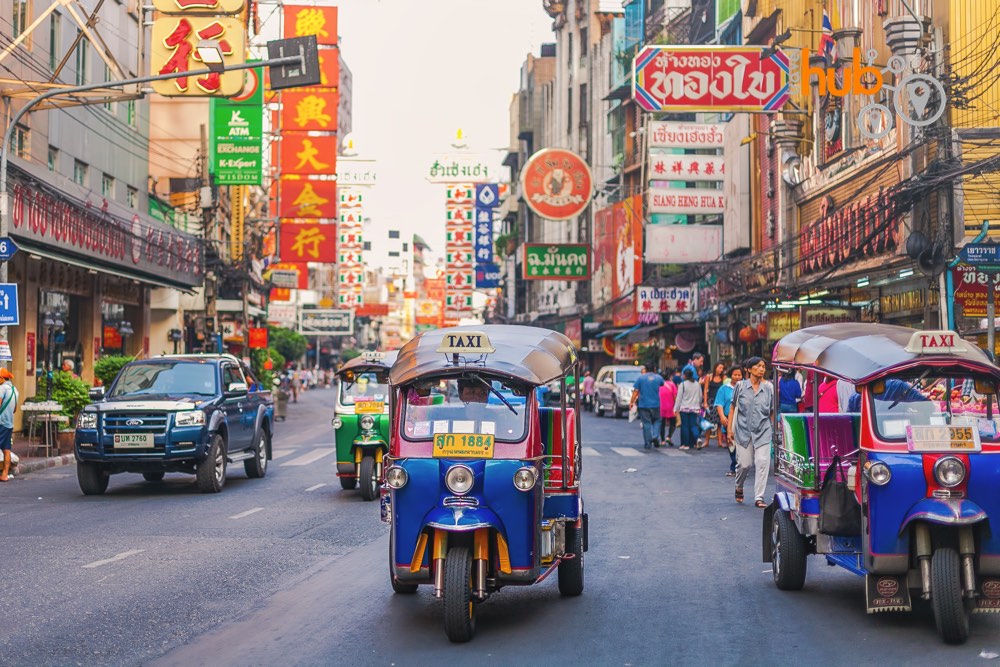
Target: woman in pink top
<point>668,394</point>
<point>828,395</point>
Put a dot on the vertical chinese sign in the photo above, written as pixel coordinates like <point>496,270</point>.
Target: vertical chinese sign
<point>307,154</point>
<point>350,264</point>
<point>460,269</point>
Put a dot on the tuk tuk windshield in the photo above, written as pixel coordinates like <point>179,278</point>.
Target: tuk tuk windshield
<point>931,399</point>
<point>465,406</point>
<point>368,386</point>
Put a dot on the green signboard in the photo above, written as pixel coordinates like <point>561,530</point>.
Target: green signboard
<point>237,134</point>
<point>556,261</point>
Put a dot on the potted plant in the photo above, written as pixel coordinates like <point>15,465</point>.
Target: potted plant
<point>72,394</point>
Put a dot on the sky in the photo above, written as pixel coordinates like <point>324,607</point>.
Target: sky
<point>421,71</point>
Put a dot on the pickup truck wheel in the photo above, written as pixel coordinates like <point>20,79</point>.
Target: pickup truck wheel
<point>211,473</point>
<point>92,478</point>
<point>152,476</point>
<point>368,479</point>
<point>257,466</point>
<point>598,408</point>
<point>619,412</point>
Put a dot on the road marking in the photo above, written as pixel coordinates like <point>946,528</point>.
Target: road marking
<point>106,561</point>
<point>590,451</point>
<point>311,457</point>
<point>279,453</point>
<point>316,486</point>
<point>247,513</point>
<point>626,451</point>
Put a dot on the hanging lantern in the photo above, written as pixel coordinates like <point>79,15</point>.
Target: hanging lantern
<point>748,335</point>
<point>268,364</point>
<point>762,329</point>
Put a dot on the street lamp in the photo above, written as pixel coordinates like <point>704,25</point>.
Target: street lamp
<point>53,322</point>
<point>124,330</point>
<point>210,52</point>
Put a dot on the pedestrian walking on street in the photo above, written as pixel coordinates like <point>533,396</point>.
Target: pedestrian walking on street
<point>711,385</point>
<point>588,391</point>
<point>687,405</point>
<point>646,396</point>
<point>668,394</point>
<point>723,407</point>
<point>753,403</point>
<point>696,362</point>
<point>8,403</point>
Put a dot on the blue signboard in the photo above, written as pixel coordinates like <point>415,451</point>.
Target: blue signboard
<point>487,195</point>
<point>980,254</point>
<point>7,248</point>
<point>488,275</point>
<point>8,305</point>
<point>483,236</point>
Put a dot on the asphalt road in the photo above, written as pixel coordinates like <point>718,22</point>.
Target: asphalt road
<point>291,570</point>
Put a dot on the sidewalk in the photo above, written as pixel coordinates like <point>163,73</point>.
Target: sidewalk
<point>36,461</point>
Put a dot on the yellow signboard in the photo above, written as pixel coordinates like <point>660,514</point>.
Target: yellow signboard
<point>199,6</point>
<point>173,52</point>
<point>463,445</point>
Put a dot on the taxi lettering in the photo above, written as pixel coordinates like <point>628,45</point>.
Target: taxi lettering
<point>471,341</point>
<point>937,340</point>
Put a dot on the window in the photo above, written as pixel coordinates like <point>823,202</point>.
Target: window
<point>22,142</point>
<point>366,245</point>
<point>21,10</point>
<point>55,35</point>
<point>583,44</point>
<point>130,112</point>
<point>111,107</point>
<point>406,247</point>
<point>569,109</point>
<point>393,233</point>
<point>583,104</point>
<point>393,253</point>
<point>133,197</point>
<point>108,186</point>
<point>82,61</point>
<point>53,158</point>
<point>80,172</point>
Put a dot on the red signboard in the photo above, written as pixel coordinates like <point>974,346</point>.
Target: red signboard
<point>372,310</point>
<point>280,294</point>
<point>311,110</point>
<point>574,331</point>
<point>623,313</point>
<point>308,242</point>
<point>709,78</point>
<point>112,339</point>
<point>308,155</point>
<point>556,183</point>
<point>258,338</point>
<point>627,224</point>
<point>435,288</point>
<point>863,228</point>
<point>971,289</point>
<point>305,21</point>
<point>308,199</point>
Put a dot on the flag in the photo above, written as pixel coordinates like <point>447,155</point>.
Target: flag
<point>827,45</point>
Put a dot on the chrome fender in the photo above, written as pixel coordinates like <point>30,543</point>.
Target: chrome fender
<point>783,499</point>
<point>945,512</point>
<point>461,519</point>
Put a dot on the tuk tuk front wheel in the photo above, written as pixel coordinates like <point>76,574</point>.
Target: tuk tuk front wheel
<point>570,571</point>
<point>788,553</point>
<point>951,610</point>
<point>368,478</point>
<point>459,609</point>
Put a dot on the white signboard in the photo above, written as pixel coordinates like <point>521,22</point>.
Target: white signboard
<point>656,300</point>
<point>287,278</point>
<point>326,322</point>
<point>683,244</point>
<point>282,313</point>
<point>460,168</point>
<point>668,134</point>
<point>686,201</point>
<point>355,172</point>
<point>687,167</point>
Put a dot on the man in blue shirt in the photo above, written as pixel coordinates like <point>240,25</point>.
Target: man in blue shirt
<point>695,364</point>
<point>646,395</point>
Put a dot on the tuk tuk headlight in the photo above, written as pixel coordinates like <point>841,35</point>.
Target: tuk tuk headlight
<point>367,422</point>
<point>396,477</point>
<point>879,473</point>
<point>337,422</point>
<point>949,471</point>
<point>459,479</point>
<point>524,479</point>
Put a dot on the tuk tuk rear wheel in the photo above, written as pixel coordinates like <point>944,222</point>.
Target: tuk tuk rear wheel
<point>788,553</point>
<point>368,479</point>
<point>459,608</point>
<point>348,483</point>
<point>571,571</point>
<point>951,610</point>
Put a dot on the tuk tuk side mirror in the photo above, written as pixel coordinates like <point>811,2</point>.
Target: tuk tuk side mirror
<point>878,387</point>
<point>985,387</point>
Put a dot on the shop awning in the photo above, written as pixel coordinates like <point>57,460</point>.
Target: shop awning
<point>639,334</point>
<point>95,266</point>
<point>627,332</point>
<point>609,332</point>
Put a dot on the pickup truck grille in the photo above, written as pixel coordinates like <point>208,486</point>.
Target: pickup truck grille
<point>119,422</point>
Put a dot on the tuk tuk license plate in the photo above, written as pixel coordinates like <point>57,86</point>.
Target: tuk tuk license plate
<point>132,440</point>
<point>463,445</point>
<point>369,407</point>
<point>943,439</point>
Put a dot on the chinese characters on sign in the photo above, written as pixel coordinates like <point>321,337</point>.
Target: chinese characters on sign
<point>308,199</point>
<point>687,167</point>
<point>174,39</point>
<point>306,155</point>
<point>305,21</point>
<point>484,235</point>
<point>650,302</point>
<point>556,183</point>
<point>350,267</point>
<point>309,111</point>
<point>307,242</point>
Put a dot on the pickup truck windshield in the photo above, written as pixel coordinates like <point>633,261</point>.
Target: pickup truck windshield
<point>147,380</point>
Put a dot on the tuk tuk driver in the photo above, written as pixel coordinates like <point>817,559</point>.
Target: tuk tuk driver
<point>473,391</point>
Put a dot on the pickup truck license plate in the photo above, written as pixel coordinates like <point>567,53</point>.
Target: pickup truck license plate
<point>133,440</point>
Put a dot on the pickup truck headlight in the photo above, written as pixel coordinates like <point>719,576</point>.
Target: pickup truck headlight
<point>190,418</point>
<point>86,420</point>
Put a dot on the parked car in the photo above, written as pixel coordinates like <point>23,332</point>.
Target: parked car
<point>613,389</point>
<point>183,413</point>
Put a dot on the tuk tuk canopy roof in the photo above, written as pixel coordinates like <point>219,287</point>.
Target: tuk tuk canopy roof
<point>536,356</point>
<point>860,352</point>
<point>361,365</point>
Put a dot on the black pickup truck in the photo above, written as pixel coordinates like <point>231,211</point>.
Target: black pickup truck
<point>191,413</point>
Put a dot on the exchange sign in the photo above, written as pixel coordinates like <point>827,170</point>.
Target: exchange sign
<point>238,133</point>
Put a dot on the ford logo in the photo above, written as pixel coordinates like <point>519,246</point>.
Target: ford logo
<point>134,422</point>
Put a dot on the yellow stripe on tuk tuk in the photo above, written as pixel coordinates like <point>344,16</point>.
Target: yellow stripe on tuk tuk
<point>418,554</point>
<point>503,553</point>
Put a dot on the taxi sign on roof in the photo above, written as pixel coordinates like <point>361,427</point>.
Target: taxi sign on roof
<point>373,356</point>
<point>930,342</point>
<point>466,342</point>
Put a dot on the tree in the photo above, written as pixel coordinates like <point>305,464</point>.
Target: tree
<point>289,344</point>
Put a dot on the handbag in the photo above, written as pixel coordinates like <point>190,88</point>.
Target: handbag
<point>839,511</point>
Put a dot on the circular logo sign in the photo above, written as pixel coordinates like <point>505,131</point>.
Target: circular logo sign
<point>250,87</point>
<point>887,587</point>
<point>137,237</point>
<point>991,588</point>
<point>556,184</point>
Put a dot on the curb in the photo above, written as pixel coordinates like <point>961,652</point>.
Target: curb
<point>34,465</point>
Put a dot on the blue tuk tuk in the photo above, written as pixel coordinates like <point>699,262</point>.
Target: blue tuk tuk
<point>482,484</point>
